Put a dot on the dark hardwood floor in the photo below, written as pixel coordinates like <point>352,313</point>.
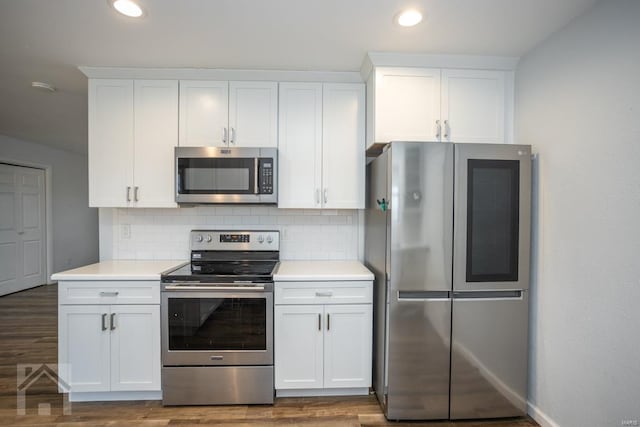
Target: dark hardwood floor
<point>28,334</point>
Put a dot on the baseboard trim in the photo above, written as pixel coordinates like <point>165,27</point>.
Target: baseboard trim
<point>360,391</point>
<point>540,417</point>
<point>108,396</point>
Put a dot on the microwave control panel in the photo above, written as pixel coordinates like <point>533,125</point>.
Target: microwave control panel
<point>266,175</point>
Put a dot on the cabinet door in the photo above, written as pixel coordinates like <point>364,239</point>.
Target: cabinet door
<point>83,340</point>
<point>343,150</point>
<point>473,106</point>
<point>298,346</point>
<point>156,135</point>
<point>300,145</point>
<point>407,104</point>
<point>253,114</point>
<point>204,113</point>
<point>347,346</point>
<point>135,347</point>
<point>110,142</point>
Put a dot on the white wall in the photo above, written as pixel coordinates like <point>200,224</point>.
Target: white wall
<point>75,226</point>
<point>164,233</point>
<point>578,104</point>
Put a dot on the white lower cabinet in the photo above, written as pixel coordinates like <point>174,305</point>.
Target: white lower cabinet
<point>322,347</point>
<point>108,350</point>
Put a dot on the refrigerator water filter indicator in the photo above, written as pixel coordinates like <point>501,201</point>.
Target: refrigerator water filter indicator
<point>383,205</point>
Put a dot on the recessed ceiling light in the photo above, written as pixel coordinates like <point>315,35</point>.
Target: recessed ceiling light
<point>43,86</point>
<point>128,8</point>
<point>409,18</point>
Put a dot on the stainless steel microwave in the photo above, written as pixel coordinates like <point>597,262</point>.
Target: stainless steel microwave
<point>226,175</point>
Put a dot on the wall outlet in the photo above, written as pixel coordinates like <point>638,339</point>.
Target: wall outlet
<point>126,231</point>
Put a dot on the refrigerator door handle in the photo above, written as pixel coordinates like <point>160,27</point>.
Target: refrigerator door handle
<point>489,295</point>
<point>408,296</point>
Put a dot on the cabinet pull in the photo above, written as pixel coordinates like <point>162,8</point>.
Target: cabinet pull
<point>128,194</point>
<point>104,321</point>
<point>317,196</point>
<point>324,294</point>
<point>113,321</point>
<point>446,129</point>
<point>438,129</point>
<point>325,195</point>
<point>319,321</point>
<point>135,193</point>
<point>328,321</point>
<point>109,294</point>
<point>232,137</point>
<point>224,136</point>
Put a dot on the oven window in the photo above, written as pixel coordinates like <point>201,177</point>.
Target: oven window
<point>215,176</point>
<point>493,201</point>
<point>217,323</point>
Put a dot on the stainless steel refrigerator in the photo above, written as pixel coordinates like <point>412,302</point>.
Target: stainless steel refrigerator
<point>448,237</point>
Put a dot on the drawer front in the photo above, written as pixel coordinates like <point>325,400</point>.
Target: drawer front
<point>356,292</point>
<point>109,292</point>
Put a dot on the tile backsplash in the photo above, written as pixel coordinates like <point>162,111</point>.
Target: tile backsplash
<point>164,233</point>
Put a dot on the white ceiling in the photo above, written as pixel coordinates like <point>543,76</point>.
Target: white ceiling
<point>47,39</point>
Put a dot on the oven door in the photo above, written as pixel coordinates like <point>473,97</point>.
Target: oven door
<point>224,175</point>
<point>217,327</point>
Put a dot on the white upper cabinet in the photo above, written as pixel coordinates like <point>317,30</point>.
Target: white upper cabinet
<point>133,129</point>
<point>473,106</point>
<point>110,142</point>
<point>300,145</point>
<point>343,152</point>
<point>228,114</point>
<point>407,104</point>
<point>430,104</point>
<point>156,133</point>
<point>321,146</point>
<point>253,114</point>
<point>204,113</point>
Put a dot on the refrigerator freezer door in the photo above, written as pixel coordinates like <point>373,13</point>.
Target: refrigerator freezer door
<point>419,349</point>
<point>489,354</point>
<point>421,216</point>
<point>492,217</point>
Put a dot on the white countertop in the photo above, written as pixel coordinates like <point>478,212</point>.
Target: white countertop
<point>120,270</point>
<point>289,271</point>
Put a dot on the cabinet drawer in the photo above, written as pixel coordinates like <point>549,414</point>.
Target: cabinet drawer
<point>109,292</point>
<point>356,292</point>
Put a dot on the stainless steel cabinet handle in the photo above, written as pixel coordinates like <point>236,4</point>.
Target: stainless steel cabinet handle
<point>319,321</point>
<point>232,138</point>
<point>446,129</point>
<point>325,195</point>
<point>109,294</point>
<point>113,321</point>
<point>328,321</point>
<point>317,196</point>
<point>438,129</point>
<point>104,321</point>
<point>128,194</point>
<point>135,193</point>
<point>217,357</point>
<point>324,294</point>
<point>224,136</point>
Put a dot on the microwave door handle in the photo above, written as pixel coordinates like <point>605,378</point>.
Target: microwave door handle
<point>256,190</point>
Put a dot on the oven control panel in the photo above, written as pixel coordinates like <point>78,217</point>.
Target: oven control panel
<point>231,240</point>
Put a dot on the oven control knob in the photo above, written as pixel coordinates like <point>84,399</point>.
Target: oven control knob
<point>260,239</point>
<point>199,238</point>
<point>209,238</point>
<point>269,239</point>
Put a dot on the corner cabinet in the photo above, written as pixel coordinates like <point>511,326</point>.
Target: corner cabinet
<point>228,114</point>
<point>321,145</point>
<point>109,339</point>
<point>323,338</point>
<point>431,104</point>
<point>133,129</point>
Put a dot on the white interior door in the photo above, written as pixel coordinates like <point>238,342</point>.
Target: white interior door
<point>22,228</point>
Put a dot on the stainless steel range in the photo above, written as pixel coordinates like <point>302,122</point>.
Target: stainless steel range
<point>217,320</point>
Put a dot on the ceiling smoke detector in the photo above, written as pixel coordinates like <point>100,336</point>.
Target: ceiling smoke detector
<point>127,8</point>
<point>409,18</point>
<point>43,86</point>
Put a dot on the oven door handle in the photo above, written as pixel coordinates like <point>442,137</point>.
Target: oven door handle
<point>213,288</point>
